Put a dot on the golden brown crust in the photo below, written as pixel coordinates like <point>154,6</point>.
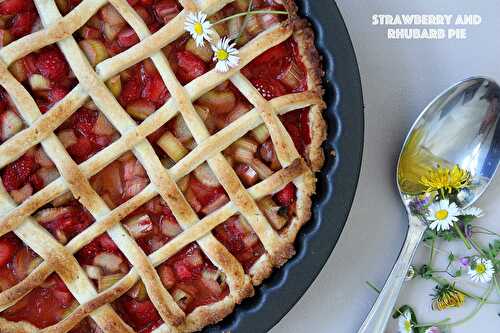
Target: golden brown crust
<point>278,245</point>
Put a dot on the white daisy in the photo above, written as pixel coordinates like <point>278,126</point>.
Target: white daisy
<point>199,27</point>
<point>472,211</point>
<point>404,322</point>
<point>226,55</point>
<point>442,214</point>
<point>481,270</point>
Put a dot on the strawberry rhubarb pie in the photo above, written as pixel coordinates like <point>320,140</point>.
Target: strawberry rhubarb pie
<point>157,158</point>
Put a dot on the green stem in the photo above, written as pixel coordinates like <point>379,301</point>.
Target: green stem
<point>467,294</point>
<point>461,235</point>
<point>438,323</point>
<point>477,247</point>
<point>245,21</point>
<point>489,232</point>
<point>476,310</point>
<point>436,249</point>
<point>371,285</point>
<point>277,12</point>
<point>431,257</point>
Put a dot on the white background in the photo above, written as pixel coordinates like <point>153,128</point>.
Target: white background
<point>399,78</point>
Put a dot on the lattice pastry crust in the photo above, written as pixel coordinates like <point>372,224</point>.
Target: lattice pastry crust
<point>56,257</point>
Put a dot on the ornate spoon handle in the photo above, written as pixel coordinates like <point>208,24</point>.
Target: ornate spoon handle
<point>376,320</point>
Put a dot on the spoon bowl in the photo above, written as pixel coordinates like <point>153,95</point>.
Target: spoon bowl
<point>459,128</point>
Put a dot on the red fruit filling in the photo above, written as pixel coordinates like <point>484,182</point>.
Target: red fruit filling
<point>120,181</point>
<point>91,254</point>
<point>64,221</point>
<point>17,19</point>
<point>280,71</point>
<point>156,13</point>
<point>152,225</point>
<point>239,238</point>
<point>16,261</point>
<point>46,74</point>
<point>140,90</point>
<point>192,279</point>
<point>28,174</point>
<point>86,132</point>
<point>10,121</point>
<point>139,314</point>
<point>43,306</point>
<point>106,34</point>
<point>203,191</point>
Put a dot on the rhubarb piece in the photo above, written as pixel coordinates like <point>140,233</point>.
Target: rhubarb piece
<point>261,133</point>
<point>172,146</point>
<point>138,292</point>
<point>167,276</point>
<point>206,176</point>
<point>139,226</point>
<point>109,262</point>
<point>107,281</point>
<point>93,272</point>
<point>94,50</point>
<point>115,85</point>
<point>272,212</point>
<point>205,52</point>
<point>218,102</point>
<point>247,174</point>
<point>10,124</point>
<point>39,82</point>
<point>140,109</point>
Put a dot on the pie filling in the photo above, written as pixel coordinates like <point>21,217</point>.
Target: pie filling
<point>44,305</point>
<point>189,275</point>
<point>17,19</point>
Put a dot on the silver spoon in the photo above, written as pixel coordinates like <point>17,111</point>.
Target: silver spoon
<point>460,127</point>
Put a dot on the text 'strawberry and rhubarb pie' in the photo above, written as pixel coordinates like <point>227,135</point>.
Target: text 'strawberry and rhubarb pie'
<point>157,158</point>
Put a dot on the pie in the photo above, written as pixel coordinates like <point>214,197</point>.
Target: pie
<point>142,190</point>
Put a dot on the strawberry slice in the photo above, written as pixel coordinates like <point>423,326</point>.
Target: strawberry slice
<point>29,63</point>
<point>286,196</point>
<point>272,55</point>
<point>269,88</point>
<point>11,7</point>
<point>56,94</point>
<point>22,24</point>
<point>16,174</point>
<point>107,243</point>
<point>154,89</point>
<point>83,121</point>
<point>130,92</point>
<point>140,313</point>
<point>165,10</point>
<point>182,271</point>
<point>7,250</point>
<point>304,126</point>
<point>271,63</point>
<point>81,150</point>
<point>127,37</point>
<point>52,64</point>
<point>36,181</point>
<point>189,66</point>
<point>4,101</point>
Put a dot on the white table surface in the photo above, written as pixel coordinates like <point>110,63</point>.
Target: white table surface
<point>399,78</point>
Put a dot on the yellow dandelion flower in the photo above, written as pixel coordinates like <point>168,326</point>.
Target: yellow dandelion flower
<point>447,297</point>
<point>446,180</point>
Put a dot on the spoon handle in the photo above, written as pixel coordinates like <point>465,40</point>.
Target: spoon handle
<point>376,320</point>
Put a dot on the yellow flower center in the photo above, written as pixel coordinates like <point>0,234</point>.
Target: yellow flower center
<point>441,214</point>
<point>198,28</point>
<point>407,326</point>
<point>222,55</point>
<point>481,268</point>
